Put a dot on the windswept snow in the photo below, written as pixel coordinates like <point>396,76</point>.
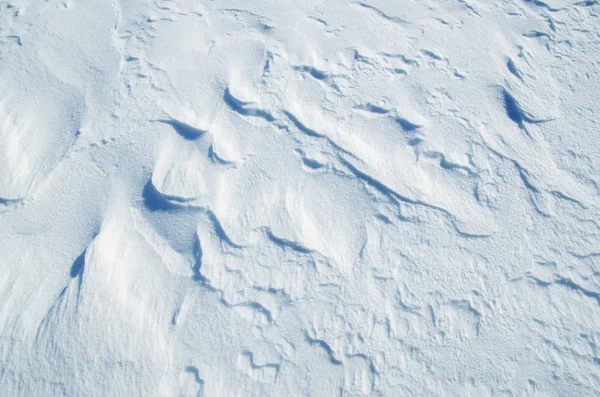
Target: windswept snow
<point>299,198</point>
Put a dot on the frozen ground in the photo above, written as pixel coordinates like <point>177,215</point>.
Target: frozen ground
<point>299,198</point>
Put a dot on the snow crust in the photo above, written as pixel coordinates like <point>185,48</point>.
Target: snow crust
<point>299,198</point>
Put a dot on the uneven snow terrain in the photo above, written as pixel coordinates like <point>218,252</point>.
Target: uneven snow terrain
<point>299,198</point>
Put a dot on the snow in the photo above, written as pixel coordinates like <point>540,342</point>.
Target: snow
<point>303,198</point>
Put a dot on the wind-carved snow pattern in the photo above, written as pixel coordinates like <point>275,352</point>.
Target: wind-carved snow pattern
<point>288,198</point>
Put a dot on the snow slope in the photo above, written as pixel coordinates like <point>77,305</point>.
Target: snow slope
<point>301,198</point>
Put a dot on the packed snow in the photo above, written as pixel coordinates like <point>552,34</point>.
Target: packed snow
<point>299,198</point>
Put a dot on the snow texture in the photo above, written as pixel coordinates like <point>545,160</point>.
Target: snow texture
<point>299,198</point>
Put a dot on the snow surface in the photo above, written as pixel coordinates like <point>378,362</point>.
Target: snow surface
<point>299,198</point>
